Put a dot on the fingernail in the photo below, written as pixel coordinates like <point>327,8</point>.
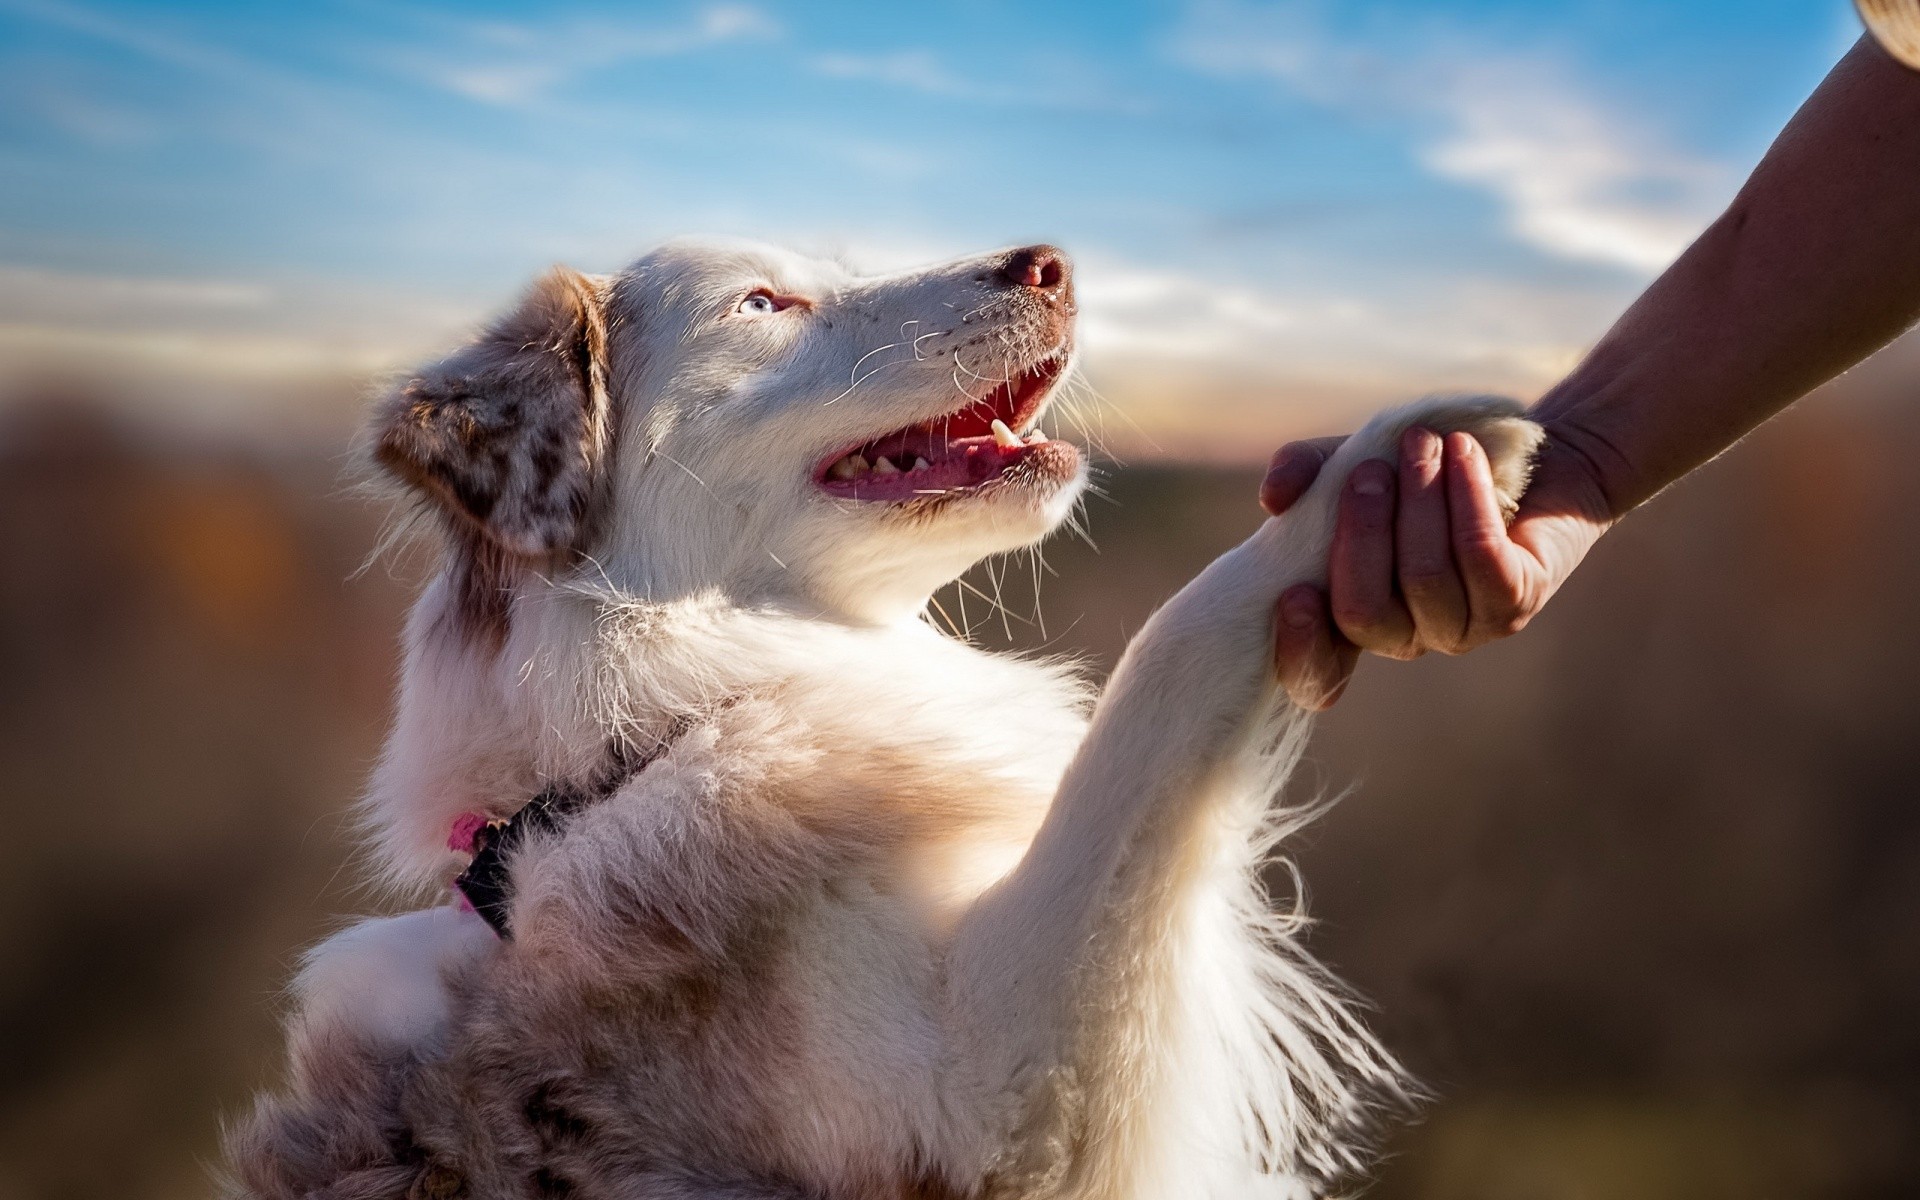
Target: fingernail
<point>1370,478</point>
<point>1420,444</point>
<point>1298,609</point>
<point>1271,494</point>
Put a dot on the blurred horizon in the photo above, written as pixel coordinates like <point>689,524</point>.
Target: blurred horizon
<point>1285,214</point>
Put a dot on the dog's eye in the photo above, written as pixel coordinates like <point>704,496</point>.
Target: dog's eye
<point>761,302</point>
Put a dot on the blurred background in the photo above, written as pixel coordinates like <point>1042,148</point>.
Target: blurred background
<point>1637,893</point>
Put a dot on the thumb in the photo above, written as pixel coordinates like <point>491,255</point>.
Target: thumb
<point>1294,468</point>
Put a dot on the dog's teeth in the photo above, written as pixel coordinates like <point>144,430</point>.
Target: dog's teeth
<point>919,464</point>
<point>1003,437</point>
<point>844,469</point>
<point>884,466</point>
<point>858,462</point>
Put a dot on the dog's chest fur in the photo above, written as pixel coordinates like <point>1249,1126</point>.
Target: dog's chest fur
<point>741,947</point>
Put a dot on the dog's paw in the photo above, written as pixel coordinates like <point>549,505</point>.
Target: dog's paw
<point>383,979</point>
<point>1498,423</point>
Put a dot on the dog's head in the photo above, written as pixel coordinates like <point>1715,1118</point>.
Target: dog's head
<point>742,418</point>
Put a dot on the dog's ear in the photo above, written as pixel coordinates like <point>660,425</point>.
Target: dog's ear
<point>510,433</point>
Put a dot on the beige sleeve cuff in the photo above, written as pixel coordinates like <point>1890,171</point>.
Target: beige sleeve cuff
<point>1895,24</point>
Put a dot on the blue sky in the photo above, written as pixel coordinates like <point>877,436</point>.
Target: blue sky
<point>1284,213</point>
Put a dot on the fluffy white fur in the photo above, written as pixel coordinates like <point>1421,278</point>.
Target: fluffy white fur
<point>385,977</point>
<point>979,933</point>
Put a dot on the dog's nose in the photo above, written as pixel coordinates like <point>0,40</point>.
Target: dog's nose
<point>1042,267</point>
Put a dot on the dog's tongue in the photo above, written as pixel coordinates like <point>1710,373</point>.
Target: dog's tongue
<point>932,464</point>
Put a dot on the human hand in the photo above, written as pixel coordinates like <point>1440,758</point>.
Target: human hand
<point>1422,556</point>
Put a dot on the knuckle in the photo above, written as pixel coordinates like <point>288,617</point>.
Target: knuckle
<point>1480,548</point>
<point>1426,578</point>
<point>1359,616</point>
<point>1512,623</point>
<point>1494,578</point>
<point>1388,643</point>
<point>1500,623</point>
<point>1507,599</point>
<point>1448,637</point>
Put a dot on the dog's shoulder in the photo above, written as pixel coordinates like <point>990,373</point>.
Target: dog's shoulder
<point>809,759</point>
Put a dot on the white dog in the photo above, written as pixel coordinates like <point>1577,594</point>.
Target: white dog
<point>795,896</point>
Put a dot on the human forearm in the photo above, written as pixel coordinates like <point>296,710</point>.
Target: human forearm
<point>1814,266</point>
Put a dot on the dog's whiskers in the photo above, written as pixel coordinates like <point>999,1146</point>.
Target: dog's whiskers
<point>856,379</point>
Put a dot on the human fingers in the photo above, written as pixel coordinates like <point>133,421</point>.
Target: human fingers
<point>1311,658</point>
<point>1361,564</point>
<point>1498,576</point>
<point>1292,471</point>
<point>1435,597</point>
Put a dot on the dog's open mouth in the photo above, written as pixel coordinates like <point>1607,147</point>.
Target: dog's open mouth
<point>985,442</point>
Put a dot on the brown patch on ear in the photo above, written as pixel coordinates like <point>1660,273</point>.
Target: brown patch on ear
<point>509,437</point>
<point>509,433</point>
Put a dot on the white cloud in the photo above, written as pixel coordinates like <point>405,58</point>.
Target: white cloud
<point>1576,178</point>
<point>1135,311</point>
<point>1575,181</point>
<point>1223,369</point>
<point>1066,84</point>
<point>516,65</point>
<point>915,70</point>
<point>1472,331</point>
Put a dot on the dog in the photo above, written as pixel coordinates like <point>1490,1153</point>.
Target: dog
<point>769,888</point>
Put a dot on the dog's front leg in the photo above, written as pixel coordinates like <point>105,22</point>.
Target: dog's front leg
<point>1052,969</point>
